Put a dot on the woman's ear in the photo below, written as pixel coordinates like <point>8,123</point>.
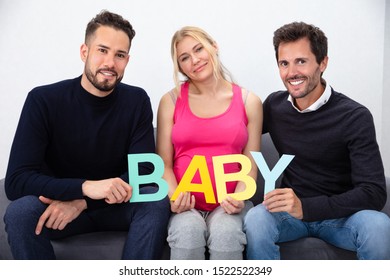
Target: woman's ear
<point>215,45</point>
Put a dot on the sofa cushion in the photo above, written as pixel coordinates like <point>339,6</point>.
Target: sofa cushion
<point>106,245</point>
<point>311,248</point>
<point>5,251</point>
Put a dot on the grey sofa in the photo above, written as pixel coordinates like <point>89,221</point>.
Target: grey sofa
<point>108,245</point>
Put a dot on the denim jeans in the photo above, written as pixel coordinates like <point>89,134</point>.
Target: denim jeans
<point>146,223</point>
<point>366,232</point>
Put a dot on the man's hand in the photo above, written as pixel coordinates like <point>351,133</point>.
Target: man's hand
<point>232,206</point>
<point>113,190</point>
<point>284,200</point>
<point>59,213</point>
<point>184,202</point>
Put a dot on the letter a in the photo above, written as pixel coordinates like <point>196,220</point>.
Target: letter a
<point>136,180</point>
<point>198,163</point>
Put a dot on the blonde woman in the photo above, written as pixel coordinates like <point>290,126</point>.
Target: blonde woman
<point>206,115</point>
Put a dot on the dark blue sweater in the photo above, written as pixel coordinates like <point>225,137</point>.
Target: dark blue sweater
<point>66,135</point>
<point>337,169</point>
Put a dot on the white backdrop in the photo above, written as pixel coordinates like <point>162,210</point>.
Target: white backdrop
<point>40,40</point>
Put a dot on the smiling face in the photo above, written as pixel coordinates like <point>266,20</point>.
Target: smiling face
<point>105,56</point>
<point>193,59</point>
<point>300,72</point>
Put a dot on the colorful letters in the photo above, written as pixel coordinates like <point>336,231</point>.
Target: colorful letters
<point>198,164</point>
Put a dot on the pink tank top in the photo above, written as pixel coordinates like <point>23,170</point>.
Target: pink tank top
<point>223,134</point>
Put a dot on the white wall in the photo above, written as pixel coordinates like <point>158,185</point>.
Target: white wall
<point>386,95</point>
<point>40,40</point>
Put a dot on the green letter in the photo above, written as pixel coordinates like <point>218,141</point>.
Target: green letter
<point>136,180</point>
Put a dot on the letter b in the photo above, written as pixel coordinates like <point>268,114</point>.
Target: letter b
<point>136,180</point>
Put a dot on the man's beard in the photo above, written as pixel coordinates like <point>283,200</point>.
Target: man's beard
<point>311,81</point>
<point>104,85</point>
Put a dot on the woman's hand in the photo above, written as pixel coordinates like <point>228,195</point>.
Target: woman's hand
<point>232,206</point>
<point>184,202</point>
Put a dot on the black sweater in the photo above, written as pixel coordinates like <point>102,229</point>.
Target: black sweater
<point>337,169</point>
<point>66,135</point>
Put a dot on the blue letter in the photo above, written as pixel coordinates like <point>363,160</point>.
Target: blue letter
<point>270,177</point>
<point>156,177</point>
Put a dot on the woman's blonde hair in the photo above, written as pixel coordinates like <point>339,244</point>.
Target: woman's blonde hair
<point>208,43</point>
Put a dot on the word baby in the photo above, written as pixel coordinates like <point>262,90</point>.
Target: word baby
<point>198,164</point>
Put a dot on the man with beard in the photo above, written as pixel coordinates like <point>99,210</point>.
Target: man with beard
<point>334,187</point>
<point>68,172</point>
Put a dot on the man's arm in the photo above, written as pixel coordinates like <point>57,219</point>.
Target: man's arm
<point>368,190</point>
<point>24,174</point>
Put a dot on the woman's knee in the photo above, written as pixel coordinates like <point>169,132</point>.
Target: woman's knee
<point>226,233</point>
<point>187,230</point>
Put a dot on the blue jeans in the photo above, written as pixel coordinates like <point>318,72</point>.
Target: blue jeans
<point>366,232</point>
<point>146,223</point>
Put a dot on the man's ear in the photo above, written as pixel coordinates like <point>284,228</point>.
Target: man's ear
<point>324,64</point>
<point>84,52</point>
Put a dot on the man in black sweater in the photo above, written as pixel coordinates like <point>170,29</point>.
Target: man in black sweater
<point>68,171</point>
<point>334,187</point>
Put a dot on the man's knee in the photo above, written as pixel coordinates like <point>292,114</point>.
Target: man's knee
<point>23,214</point>
<point>159,207</point>
<point>24,208</point>
<point>371,220</point>
<point>257,214</point>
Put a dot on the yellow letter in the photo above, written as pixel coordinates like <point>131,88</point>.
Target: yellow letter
<point>221,178</point>
<point>186,185</point>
